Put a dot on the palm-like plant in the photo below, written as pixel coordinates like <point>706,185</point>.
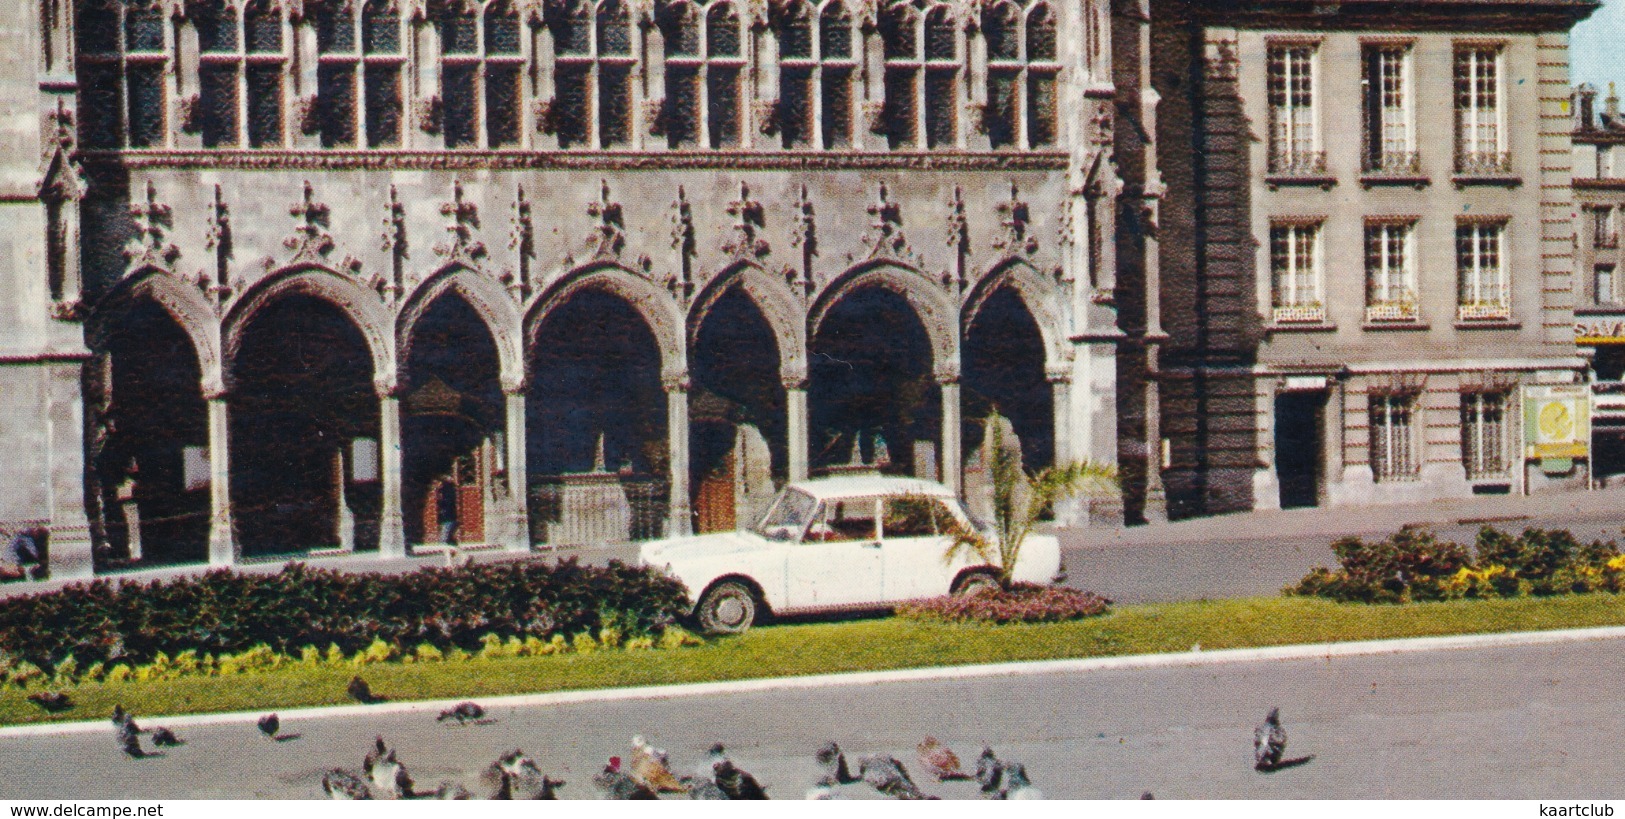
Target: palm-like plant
<point>1020,499</point>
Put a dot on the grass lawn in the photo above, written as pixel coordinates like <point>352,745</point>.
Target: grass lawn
<point>863,645</point>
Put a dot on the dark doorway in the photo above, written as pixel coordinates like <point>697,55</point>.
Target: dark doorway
<point>738,393</point>
<point>1298,417</point>
<point>872,396</point>
<point>1004,371</point>
<point>1609,363</point>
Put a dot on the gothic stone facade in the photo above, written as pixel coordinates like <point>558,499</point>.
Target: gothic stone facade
<point>279,272</point>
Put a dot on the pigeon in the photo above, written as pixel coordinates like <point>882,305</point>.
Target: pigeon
<point>830,758</point>
<point>1016,784</point>
<point>734,782</point>
<point>1269,742</point>
<point>502,781</point>
<point>341,784</point>
<point>463,712</point>
<point>617,785</point>
<point>388,775</point>
<point>452,790</point>
<point>125,721</point>
<point>700,787</point>
<point>165,738</point>
<point>51,701</point>
<point>887,775</point>
<point>374,756</point>
<point>1148,795</point>
<point>648,765</point>
<point>550,788</point>
<point>524,778</point>
<point>823,789</point>
<point>361,692</point>
<point>131,744</point>
<point>989,771</point>
<point>941,761</point>
<point>269,725</point>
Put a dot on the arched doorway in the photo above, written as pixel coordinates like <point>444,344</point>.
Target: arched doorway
<point>149,446</point>
<point>451,425</point>
<point>873,403</point>
<point>737,443</point>
<point>304,431</point>
<point>1003,358</point>
<point>596,407</point>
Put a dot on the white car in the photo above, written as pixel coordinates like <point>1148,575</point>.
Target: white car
<point>839,543</point>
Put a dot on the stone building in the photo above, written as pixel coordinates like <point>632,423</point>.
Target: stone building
<point>1377,266</point>
<point>1599,309</point>
<point>280,274</point>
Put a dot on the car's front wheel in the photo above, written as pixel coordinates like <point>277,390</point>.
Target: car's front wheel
<point>727,608</point>
<point>975,583</point>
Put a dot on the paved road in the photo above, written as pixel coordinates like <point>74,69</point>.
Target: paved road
<point>1522,722</point>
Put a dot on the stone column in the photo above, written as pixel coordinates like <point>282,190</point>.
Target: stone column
<point>679,522</point>
<point>391,527</point>
<point>518,484</point>
<point>222,536</point>
<point>953,465</point>
<point>346,518</point>
<point>1060,385</point>
<point>795,429</point>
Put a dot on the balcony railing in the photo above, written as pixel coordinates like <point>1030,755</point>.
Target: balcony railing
<point>1483,163</point>
<point>1394,163</point>
<point>1304,164</point>
<point>1312,313</point>
<point>1389,311</point>
<point>1484,311</point>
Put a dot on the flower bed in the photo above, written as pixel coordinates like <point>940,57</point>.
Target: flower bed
<point>1021,603</point>
<point>226,613</point>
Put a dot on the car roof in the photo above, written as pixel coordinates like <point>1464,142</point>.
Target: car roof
<point>848,486</point>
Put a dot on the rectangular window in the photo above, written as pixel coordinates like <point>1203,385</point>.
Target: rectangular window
<point>1393,450</point>
<point>1389,138</point>
<point>145,84</point>
<point>335,93</point>
<point>502,105</point>
<point>682,106</point>
<point>837,114</point>
<point>1480,144</point>
<point>1604,287</point>
<point>100,110</point>
<point>901,107</point>
<point>1481,272</point>
<point>942,111</point>
<point>1295,273</point>
<point>461,106</point>
<point>614,104</point>
<point>1390,273</point>
<point>265,105</point>
<point>571,83</point>
<point>1294,142</point>
<point>1041,113</point>
<point>1484,435</point>
<point>217,104</point>
<point>1001,108</point>
<point>722,98</point>
<point>795,106</point>
<point>1604,231</point>
<point>383,105</point>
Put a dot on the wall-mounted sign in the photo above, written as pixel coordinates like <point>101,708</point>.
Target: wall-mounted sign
<point>1599,329</point>
<point>1556,421</point>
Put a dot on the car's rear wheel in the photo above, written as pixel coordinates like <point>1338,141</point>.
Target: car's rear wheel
<point>727,608</point>
<point>975,583</point>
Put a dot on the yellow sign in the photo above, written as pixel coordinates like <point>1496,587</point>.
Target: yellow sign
<point>1557,421</point>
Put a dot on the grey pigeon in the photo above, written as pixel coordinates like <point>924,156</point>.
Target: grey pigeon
<point>389,776</point>
<point>700,787</point>
<point>1016,784</point>
<point>374,756</point>
<point>989,772</point>
<point>463,712</point>
<point>734,782</point>
<point>617,785</point>
<point>130,743</point>
<point>833,761</point>
<point>269,725</point>
<point>165,738</point>
<point>940,760</point>
<point>1269,742</point>
<point>341,784</point>
<point>452,790</point>
<point>824,789</point>
<point>524,777</point>
<point>887,775</point>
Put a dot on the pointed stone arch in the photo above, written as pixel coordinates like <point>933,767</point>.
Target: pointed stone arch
<point>182,301</point>
<point>931,306</point>
<point>773,298</point>
<point>487,298</point>
<point>360,305</point>
<point>1038,293</point>
<point>656,306</point>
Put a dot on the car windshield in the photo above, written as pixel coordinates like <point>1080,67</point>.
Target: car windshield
<point>789,515</point>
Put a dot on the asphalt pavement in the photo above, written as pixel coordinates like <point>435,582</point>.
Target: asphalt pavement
<point>1520,722</point>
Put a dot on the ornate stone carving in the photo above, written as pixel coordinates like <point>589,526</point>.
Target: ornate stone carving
<point>588,161</point>
<point>609,235</point>
<point>1101,124</point>
<point>393,241</point>
<point>682,241</point>
<point>1015,219</point>
<point>885,238</point>
<point>191,110</point>
<point>957,237</point>
<point>218,239</point>
<point>306,115</point>
<point>542,114</point>
<point>60,132</point>
<point>427,114</point>
<point>767,116</point>
<point>522,241</point>
<point>749,221</point>
<point>976,117</point>
<point>310,241</point>
<point>805,239</point>
<point>149,247</point>
<point>463,218</point>
<point>874,117</point>
<point>654,115</point>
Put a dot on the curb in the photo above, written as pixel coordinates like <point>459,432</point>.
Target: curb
<point>937,673</point>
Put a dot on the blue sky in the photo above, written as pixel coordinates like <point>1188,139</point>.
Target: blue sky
<point>1597,48</point>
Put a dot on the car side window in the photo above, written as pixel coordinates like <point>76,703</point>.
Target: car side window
<point>913,517</point>
<point>843,521</point>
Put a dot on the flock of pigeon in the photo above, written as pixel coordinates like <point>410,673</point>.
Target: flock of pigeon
<point>647,773</point>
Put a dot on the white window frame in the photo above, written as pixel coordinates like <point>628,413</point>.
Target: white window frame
<point>1296,284</point>
<point>1288,153</point>
<point>1394,421</point>
<point>1393,145</point>
<point>1472,148</point>
<point>1484,293</point>
<point>1391,290</point>
<point>1484,445</point>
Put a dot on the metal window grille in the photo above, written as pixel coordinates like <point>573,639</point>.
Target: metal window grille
<point>1484,435</point>
<point>1393,455</point>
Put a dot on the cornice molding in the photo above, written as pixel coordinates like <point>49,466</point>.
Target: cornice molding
<point>318,160</point>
